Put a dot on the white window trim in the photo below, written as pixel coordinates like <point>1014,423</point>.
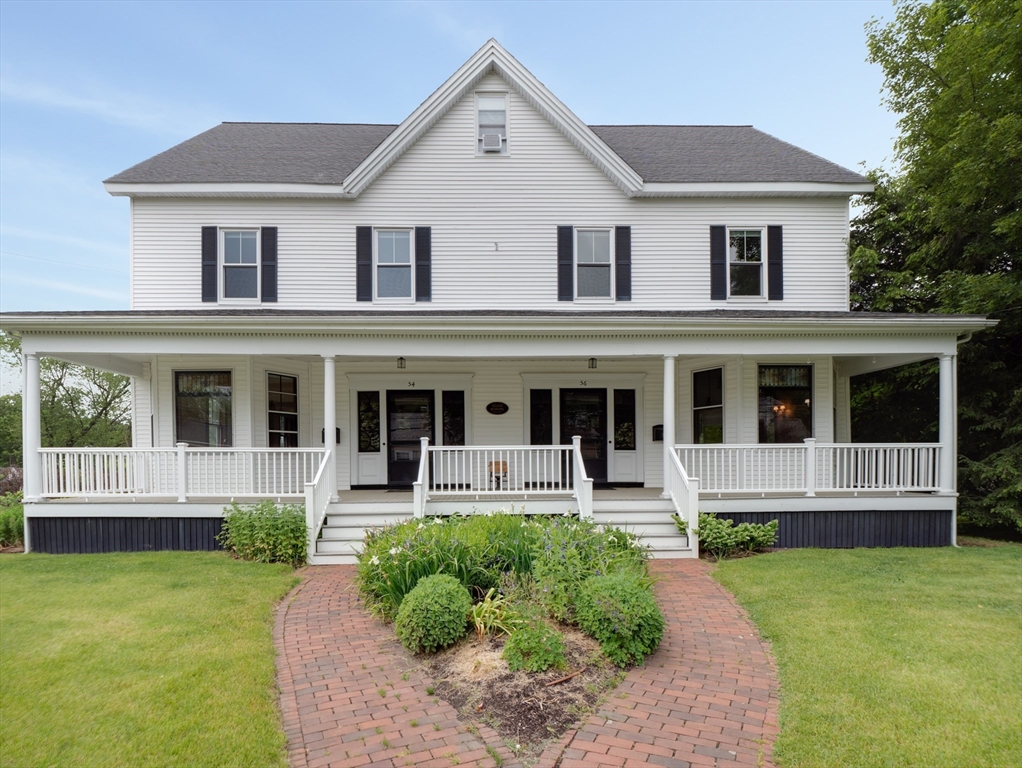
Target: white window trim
<point>298,405</point>
<point>221,281</point>
<point>722,406</point>
<point>763,277</point>
<point>377,299</point>
<point>613,267</point>
<point>506,150</point>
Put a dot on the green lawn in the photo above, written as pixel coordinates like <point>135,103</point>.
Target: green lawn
<point>892,657</point>
<point>148,659</point>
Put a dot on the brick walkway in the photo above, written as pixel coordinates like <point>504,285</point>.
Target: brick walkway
<point>351,696</point>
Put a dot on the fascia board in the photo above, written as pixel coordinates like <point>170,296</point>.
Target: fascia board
<point>418,325</point>
<point>231,189</point>
<point>753,189</point>
<point>492,57</point>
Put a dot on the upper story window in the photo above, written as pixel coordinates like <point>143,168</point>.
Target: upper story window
<point>745,262</point>
<point>240,263</point>
<point>491,123</point>
<point>593,260</point>
<point>394,264</point>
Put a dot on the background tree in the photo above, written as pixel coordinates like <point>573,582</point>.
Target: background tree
<point>79,406</point>
<point>945,235</point>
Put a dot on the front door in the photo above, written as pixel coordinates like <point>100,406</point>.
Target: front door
<point>409,418</point>
<point>584,413</point>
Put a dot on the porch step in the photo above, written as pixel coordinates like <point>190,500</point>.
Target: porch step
<point>318,559</point>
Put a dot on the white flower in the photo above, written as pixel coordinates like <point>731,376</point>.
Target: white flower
<point>395,551</point>
<point>421,526</point>
<point>612,538</point>
<point>438,521</point>
<point>375,560</point>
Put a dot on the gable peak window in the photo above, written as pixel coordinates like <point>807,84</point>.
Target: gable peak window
<point>491,123</point>
<point>593,258</point>
<point>745,262</point>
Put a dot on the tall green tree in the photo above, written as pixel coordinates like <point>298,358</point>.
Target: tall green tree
<point>945,233</point>
<point>79,406</point>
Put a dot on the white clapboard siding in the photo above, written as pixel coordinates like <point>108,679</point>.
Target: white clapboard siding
<point>493,222</point>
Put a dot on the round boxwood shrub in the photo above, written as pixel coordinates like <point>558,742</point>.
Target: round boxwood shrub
<point>620,612</point>
<point>434,614</point>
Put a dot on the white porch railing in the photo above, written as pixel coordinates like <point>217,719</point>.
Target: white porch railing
<point>317,499</point>
<point>180,471</point>
<point>684,493</point>
<point>809,467</point>
<point>480,471</point>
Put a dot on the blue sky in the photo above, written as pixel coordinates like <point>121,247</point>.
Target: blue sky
<point>89,89</point>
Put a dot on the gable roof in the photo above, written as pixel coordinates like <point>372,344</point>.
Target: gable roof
<point>341,160</point>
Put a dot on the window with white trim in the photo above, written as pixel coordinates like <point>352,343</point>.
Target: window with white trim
<point>202,408</point>
<point>594,261</point>
<point>708,406</point>
<point>393,260</point>
<point>491,123</point>
<point>239,263</point>
<point>745,262</point>
<point>282,410</point>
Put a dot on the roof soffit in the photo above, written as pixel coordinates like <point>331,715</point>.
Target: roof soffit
<point>493,58</point>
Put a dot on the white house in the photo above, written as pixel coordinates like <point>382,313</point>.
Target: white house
<point>491,303</point>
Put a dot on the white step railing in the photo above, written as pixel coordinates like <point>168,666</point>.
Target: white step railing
<point>809,467</point>
<point>684,493</point>
<point>317,498</point>
<point>180,471</point>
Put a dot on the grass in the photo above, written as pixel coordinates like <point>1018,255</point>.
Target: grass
<point>892,657</point>
<point>146,659</point>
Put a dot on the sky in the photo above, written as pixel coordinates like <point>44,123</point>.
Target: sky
<point>89,89</point>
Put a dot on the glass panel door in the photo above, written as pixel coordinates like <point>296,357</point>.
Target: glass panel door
<point>409,418</point>
<point>584,413</point>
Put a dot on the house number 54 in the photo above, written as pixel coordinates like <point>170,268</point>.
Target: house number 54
<point>411,383</point>
<point>583,383</point>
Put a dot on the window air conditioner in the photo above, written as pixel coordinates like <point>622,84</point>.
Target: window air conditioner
<point>491,142</point>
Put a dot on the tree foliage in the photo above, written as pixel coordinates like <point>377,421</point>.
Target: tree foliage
<point>79,406</point>
<point>945,235</point>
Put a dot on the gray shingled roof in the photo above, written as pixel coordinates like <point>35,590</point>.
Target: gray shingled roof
<point>325,153</point>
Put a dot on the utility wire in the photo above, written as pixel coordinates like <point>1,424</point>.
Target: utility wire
<point>68,263</point>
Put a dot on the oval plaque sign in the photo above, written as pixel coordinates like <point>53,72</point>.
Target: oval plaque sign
<point>497,409</point>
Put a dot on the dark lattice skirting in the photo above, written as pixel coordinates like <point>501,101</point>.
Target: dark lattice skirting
<point>66,535</point>
<point>833,530</point>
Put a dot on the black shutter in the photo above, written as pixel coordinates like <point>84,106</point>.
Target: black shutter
<point>423,264</point>
<point>566,263</point>
<point>623,263</point>
<point>364,263</point>
<point>209,247</point>
<point>775,263</point>
<point>268,255</point>
<point>718,263</point>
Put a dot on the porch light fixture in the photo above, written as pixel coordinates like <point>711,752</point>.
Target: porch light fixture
<point>592,363</point>
<point>400,363</point>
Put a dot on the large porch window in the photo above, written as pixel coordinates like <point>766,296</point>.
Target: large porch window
<point>785,403</point>
<point>202,404</point>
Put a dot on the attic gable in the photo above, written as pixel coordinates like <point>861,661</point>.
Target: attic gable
<point>493,59</point>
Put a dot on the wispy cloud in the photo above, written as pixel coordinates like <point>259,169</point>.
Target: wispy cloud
<point>449,21</point>
<point>69,240</point>
<point>106,104</point>
<point>73,288</point>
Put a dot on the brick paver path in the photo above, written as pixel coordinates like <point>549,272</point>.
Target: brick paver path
<point>351,696</point>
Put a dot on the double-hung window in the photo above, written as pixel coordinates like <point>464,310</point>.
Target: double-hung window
<point>239,251</point>
<point>491,123</point>
<point>282,410</point>
<point>708,406</point>
<point>394,264</point>
<point>745,262</point>
<point>593,262</point>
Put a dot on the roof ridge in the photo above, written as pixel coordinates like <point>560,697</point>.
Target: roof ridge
<point>670,125</point>
<point>285,122</point>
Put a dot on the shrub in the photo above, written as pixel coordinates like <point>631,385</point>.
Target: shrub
<point>569,551</point>
<point>619,611</point>
<point>12,520</point>
<point>266,533</point>
<point>720,538</point>
<point>433,614</point>
<point>535,647</point>
<point>476,550</point>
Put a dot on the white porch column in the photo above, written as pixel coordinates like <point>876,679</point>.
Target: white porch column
<point>669,365</point>
<point>31,432</point>
<point>948,417</point>
<point>330,422</point>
